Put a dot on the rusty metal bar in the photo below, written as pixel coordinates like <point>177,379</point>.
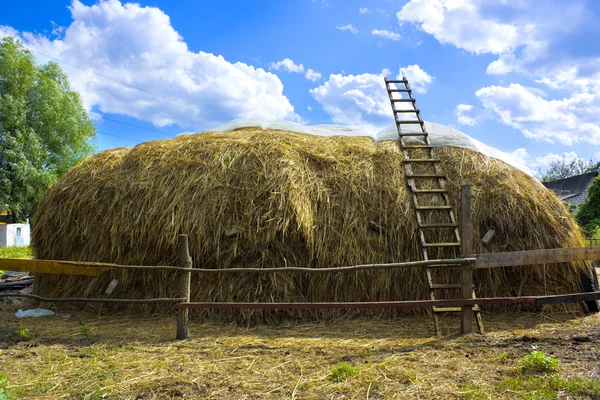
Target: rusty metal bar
<point>530,300</point>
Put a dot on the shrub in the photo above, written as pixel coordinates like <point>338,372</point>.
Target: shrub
<point>537,361</point>
<point>342,371</point>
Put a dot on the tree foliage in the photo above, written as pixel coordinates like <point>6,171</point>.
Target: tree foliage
<point>565,168</point>
<point>44,128</point>
<point>588,214</point>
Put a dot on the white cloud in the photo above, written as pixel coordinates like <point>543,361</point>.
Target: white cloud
<point>545,161</point>
<point>139,46</point>
<point>287,65</point>
<point>461,24</point>
<point>597,156</point>
<point>521,159</point>
<point>363,10</point>
<point>309,108</point>
<point>532,41</point>
<point>386,34</point>
<point>461,112</point>
<point>357,100</point>
<point>569,120</point>
<point>467,114</point>
<point>417,78</point>
<point>348,28</point>
<point>312,75</point>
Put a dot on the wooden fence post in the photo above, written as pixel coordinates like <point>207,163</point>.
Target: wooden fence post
<point>466,233</point>
<point>185,261</point>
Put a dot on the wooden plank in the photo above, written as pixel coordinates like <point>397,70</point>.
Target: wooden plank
<point>466,232</point>
<point>532,257</point>
<point>50,267</point>
<point>184,288</point>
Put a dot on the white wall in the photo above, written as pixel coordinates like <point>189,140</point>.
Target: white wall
<point>17,235</point>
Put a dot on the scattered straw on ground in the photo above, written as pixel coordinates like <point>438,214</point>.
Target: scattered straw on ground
<point>127,357</point>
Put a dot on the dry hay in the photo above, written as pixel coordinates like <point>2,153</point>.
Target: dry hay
<point>253,198</point>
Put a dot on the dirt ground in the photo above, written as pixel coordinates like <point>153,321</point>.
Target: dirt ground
<point>91,356</point>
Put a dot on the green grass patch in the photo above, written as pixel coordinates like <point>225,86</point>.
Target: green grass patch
<point>536,361</point>
<point>550,387</point>
<point>342,371</point>
<point>4,384</point>
<point>15,252</point>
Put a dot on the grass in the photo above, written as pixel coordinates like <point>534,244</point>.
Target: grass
<point>15,252</point>
<point>94,356</point>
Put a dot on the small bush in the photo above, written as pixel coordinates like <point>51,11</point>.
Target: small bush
<point>342,371</point>
<point>537,361</point>
<point>23,332</point>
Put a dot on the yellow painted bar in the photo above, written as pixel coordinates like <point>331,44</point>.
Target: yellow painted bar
<point>49,267</point>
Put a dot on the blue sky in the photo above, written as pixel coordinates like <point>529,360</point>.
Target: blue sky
<point>517,76</point>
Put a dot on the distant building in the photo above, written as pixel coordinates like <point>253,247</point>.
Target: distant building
<point>573,190</point>
<point>14,234</point>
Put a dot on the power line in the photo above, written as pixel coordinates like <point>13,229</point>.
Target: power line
<point>131,86</point>
<point>122,137</point>
<point>138,126</point>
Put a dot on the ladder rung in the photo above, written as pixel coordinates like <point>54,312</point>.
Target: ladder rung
<point>409,122</point>
<point>399,90</point>
<point>426,176</point>
<point>453,244</point>
<point>440,225</point>
<point>420,208</point>
<point>402,81</point>
<point>403,100</point>
<point>453,309</point>
<point>421,160</point>
<point>416,110</point>
<point>411,134</point>
<point>418,146</point>
<point>430,191</point>
<point>446,286</point>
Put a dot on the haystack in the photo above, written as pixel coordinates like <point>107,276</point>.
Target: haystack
<point>265,198</point>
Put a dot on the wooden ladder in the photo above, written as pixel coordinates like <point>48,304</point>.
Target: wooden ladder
<point>436,223</point>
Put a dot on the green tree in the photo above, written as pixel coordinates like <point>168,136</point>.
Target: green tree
<point>588,214</point>
<point>44,128</point>
<point>565,168</point>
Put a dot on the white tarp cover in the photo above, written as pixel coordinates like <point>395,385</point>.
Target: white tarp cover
<point>439,135</point>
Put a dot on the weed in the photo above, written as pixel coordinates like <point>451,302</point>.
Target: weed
<point>84,331</point>
<point>4,384</point>
<point>342,371</point>
<point>504,357</point>
<point>536,361</point>
<point>23,332</point>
